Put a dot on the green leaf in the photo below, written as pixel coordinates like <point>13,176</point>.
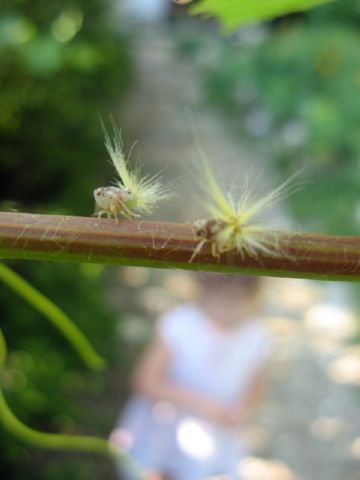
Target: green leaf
<point>234,13</point>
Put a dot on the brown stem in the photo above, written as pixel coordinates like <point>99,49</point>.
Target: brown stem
<point>170,245</point>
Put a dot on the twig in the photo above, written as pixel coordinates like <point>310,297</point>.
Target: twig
<point>171,245</point>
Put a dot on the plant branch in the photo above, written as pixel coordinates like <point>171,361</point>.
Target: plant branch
<point>171,245</point>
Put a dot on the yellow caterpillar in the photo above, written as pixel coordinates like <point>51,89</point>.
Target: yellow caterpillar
<point>233,220</point>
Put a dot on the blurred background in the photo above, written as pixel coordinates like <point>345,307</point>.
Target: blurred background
<point>272,99</point>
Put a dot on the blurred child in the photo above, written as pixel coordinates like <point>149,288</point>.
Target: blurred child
<point>197,383</point>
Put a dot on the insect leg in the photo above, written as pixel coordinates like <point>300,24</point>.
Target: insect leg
<point>100,213</point>
<point>215,250</point>
<point>114,212</point>
<point>126,210</point>
<point>198,249</point>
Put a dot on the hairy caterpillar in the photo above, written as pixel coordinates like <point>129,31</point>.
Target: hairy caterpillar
<point>233,217</point>
<point>132,194</point>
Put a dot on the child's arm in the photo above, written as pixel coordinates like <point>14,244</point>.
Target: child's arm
<point>151,379</point>
<point>254,396</point>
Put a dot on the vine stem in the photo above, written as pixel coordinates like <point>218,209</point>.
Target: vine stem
<point>61,442</point>
<point>55,315</point>
<point>52,441</point>
<point>171,245</point>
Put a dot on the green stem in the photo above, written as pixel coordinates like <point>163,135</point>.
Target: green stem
<point>3,349</point>
<point>171,245</point>
<point>51,441</point>
<point>60,442</point>
<point>53,313</point>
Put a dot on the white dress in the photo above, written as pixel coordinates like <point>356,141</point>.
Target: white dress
<point>218,363</point>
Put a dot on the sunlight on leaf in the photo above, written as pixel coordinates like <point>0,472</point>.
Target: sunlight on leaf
<point>234,13</point>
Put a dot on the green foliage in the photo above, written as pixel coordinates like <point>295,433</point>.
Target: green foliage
<point>45,383</point>
<point>345,12</point>
<point>54,314</point>
<point>61,64</point>
<point>3,349</point>
<point>234,13</point>
<point>72,468</point>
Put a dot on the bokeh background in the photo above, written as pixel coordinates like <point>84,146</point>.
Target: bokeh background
<point>269,99</point>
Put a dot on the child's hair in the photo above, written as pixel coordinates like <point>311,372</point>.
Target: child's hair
<point>249,285</point>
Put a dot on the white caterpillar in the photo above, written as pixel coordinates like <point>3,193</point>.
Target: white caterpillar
<point>133,194</point>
